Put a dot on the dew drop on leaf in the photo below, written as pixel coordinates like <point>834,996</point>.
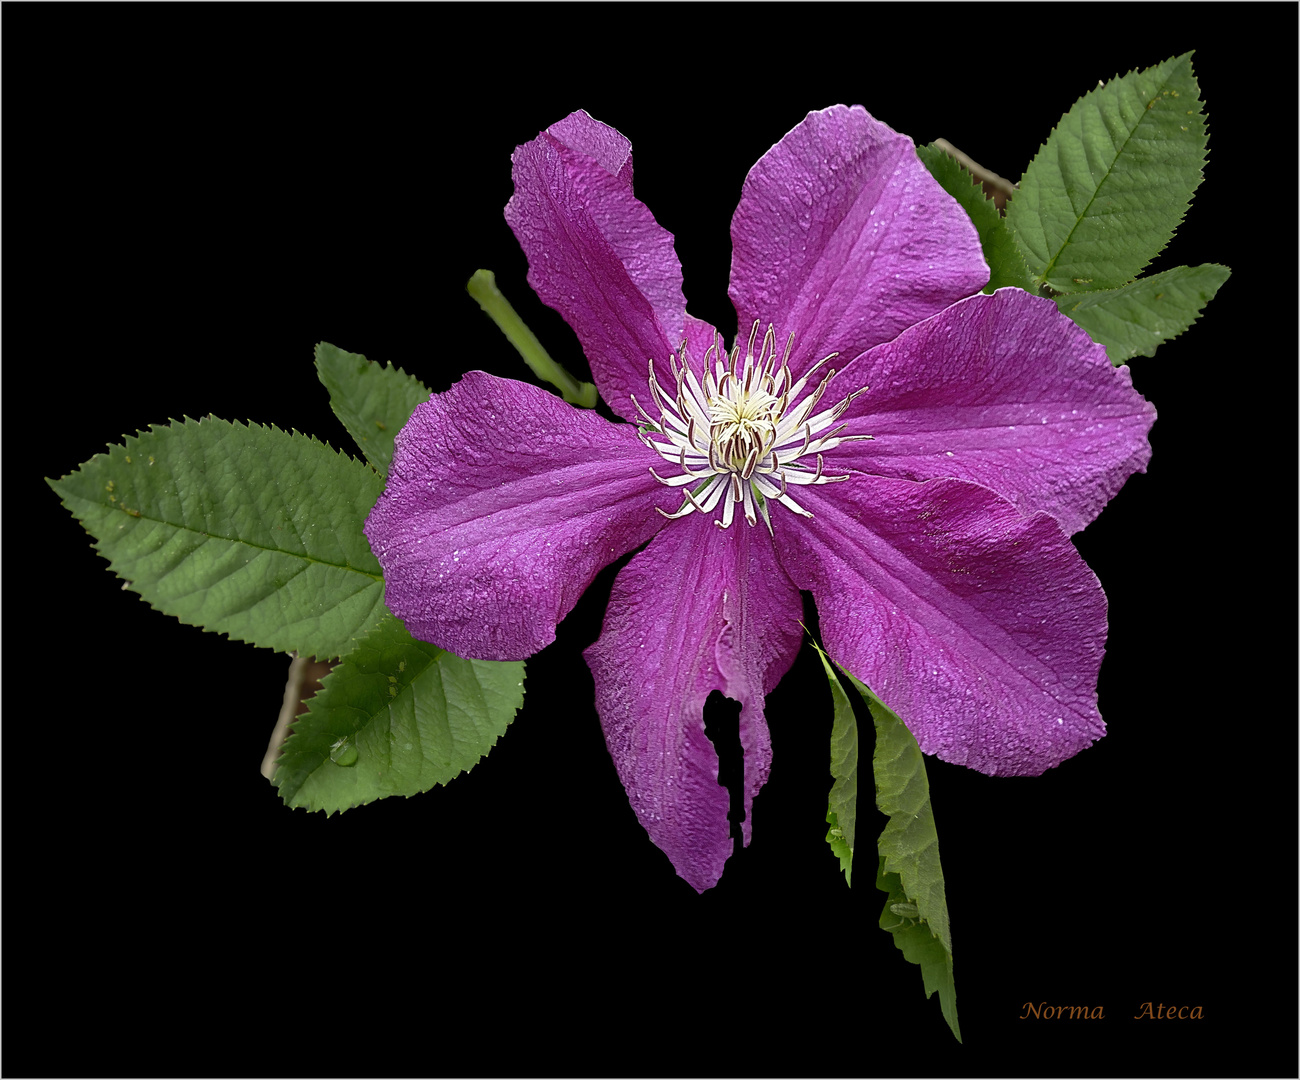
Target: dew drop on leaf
<point>343,753</point>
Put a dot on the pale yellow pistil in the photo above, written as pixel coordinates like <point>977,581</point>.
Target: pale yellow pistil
<point>743,426</point>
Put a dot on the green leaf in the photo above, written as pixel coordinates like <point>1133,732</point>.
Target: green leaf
<point>246,531</point>
<point>1106,191</point>
<point>919,946</point>
<point>1134,320</point>
<point>395,717</point>
<point>372,402</point>
<point>909,869</point>
<point>843,809</point>
<point>839,846</point>
<point>1006,264</point>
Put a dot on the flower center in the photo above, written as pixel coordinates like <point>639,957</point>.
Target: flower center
<point>742,435</point>
<point>742,423</point>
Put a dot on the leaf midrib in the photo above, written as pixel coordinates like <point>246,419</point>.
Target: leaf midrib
<point>1047,270</point>
<point>191,530</point>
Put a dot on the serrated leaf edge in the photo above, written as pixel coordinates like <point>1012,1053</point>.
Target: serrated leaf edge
<point>171,424</point>
<point>1100,88</point>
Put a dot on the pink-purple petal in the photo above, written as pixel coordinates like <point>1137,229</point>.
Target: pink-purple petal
<point>698,335</point>
<point>609,147</point>
<point>502,504</point>
<point>596,254</point>
<point>982,629</point>
<point>701,609</point>
<point>843,238</point>
<point>1005,391</point>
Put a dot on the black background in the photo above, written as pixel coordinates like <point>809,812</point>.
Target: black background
<point>196,196</point>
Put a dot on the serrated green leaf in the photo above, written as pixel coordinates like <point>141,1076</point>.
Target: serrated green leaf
<point>919,946</point>
<point>372,402</point>
<point>396,717</point>
<point>1104,194</point>
<point>1134,320</point>
<point>1006,264</point>
<point>843,809</point>
<point>840,847</point>
<point>245,531</point>
<point>909,869</point>
<point>909,843</point>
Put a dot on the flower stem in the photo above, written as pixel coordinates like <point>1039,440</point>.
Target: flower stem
<point>483,287</point>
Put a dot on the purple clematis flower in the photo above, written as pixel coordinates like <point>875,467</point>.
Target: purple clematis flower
<point>926,502</point>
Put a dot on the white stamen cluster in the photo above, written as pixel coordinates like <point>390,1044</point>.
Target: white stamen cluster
<point>740,435</point>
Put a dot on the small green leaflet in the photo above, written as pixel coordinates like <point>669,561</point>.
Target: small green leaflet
<point>1106,191</point>
<point>396,717</point>
<point>1006,264</point>
<point>919,946</point>
<point>372,402</point>
<point>242,530</point>
<point>1133,320</point>
<point>909,869</point>
<point>840,846</point>
<point>843,810</point>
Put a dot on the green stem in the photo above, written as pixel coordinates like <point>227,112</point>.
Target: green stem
<point>483,287</point>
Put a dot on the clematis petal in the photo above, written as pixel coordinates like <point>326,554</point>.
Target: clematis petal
<point>701,609</point>
<point>1006,391</point>
<point>699,335</point>
<point>982,629</point>
<point>596,254</point>
<point>502,504</point>
<point>844,239</point>
<point>609,147</point>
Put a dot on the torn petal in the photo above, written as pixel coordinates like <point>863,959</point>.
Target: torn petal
<point>701,609</point>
